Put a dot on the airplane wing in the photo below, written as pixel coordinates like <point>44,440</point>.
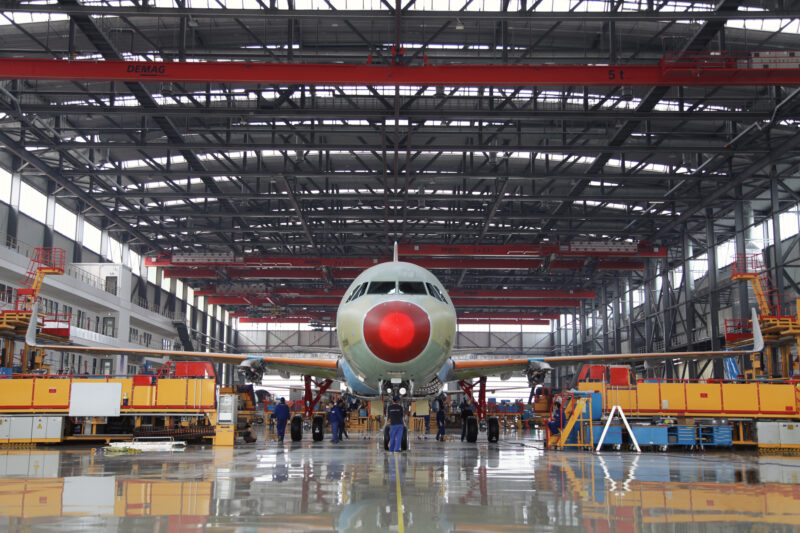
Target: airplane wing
<point>312,366</point>
<point>537,367</point>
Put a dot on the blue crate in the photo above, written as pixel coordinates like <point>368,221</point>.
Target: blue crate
<point>597,403</point>
<point>651,435</point>
<point>614,435</point>
<point>5,372</point>
<point>362,412</point>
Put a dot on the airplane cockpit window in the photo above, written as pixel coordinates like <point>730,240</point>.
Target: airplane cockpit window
<point>356,294</point>
<point>412,287</point>
<point>435,292</point>
<point>382,287</point>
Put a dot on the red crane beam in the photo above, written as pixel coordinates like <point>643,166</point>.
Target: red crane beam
<point>458,302</point>
<point>351,263</point>
<point>455,293</point>
<point>578,249</point>
<point>482,315</point>
<point>697,71</point>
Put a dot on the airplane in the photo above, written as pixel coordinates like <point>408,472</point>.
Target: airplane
<point>396,328</point>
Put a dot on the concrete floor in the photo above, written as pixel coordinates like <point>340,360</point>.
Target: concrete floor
<point>355,485</point>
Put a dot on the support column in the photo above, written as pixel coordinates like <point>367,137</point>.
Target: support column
<point>719,367</point>
<point>777,245</point>
<point>104,249</point>
<point>649,305</point>
<point>575,344</point>
<point>77,250</point>
<point>631,329</point>
<point>688,304</point>
<point>666,305</point>
<point>618,318</point>
<point>12,224</point>
<point>741,250</point>
<point>604,315</point>
<point>49,217</point>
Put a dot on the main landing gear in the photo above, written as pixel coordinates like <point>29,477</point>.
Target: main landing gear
<point>474,423</point>
<point>310,401</point>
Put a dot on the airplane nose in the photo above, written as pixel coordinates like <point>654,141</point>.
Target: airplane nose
<point>397,331</point>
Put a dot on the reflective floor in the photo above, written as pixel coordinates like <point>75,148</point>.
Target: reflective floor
<point>355,485</point>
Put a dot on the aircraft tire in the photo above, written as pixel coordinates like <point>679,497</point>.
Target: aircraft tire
<point>493,429</point>
<point>472,429</point>
<point>318,428</point>
<point>296,429</point>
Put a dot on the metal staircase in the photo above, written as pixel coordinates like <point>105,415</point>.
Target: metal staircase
<point>184,336</point>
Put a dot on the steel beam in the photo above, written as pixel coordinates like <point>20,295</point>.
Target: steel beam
<point>411,17</point>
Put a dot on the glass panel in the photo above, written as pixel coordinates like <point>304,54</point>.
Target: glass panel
<point>355,294</point>
<point>435,292</point>
<point>412,287</point>
<point>382,287</point>
<point>32,202</point>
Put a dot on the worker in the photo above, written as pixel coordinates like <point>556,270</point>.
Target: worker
<point>344,409</point>
<point>466,412</point>
<point>395,415</point>
<point>281,417</point>
<point>439,407</point>
<point>336,419</point>
<point>556,423</point>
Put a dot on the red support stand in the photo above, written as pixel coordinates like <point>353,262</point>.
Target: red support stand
<point>309,400</point>
<point>469,387</point>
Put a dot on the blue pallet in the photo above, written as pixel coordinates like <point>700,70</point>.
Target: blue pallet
<point>651,435</point>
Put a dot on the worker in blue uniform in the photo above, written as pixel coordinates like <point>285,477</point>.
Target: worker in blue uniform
<point>438,408</point>
<point>281,417</point>
<point>557,422</point>
<point>395,415</point>
<point>466,412</point>
<point>336,418</point>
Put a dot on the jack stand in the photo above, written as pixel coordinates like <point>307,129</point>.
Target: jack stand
<point>309,400</point>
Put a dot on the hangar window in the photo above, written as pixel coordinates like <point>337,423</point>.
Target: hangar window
<point>435,292</point>
<point>412,287</point>
<point>382,287</point>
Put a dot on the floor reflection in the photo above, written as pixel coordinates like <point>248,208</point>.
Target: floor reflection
<point>512,486</point>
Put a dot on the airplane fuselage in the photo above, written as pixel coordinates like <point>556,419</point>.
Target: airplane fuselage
<point>396,326</point>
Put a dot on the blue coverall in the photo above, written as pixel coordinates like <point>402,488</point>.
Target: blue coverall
<point>440,424</point>
<point>556,424</point>
<point>335,418</point>
<point>395,415</point>
<point>281,417</point>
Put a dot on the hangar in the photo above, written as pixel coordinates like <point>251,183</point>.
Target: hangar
<point>577,177</point>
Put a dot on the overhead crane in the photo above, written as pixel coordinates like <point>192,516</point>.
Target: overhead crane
<point>687,69</point>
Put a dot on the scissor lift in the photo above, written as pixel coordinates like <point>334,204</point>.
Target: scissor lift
<point>14,322</point>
